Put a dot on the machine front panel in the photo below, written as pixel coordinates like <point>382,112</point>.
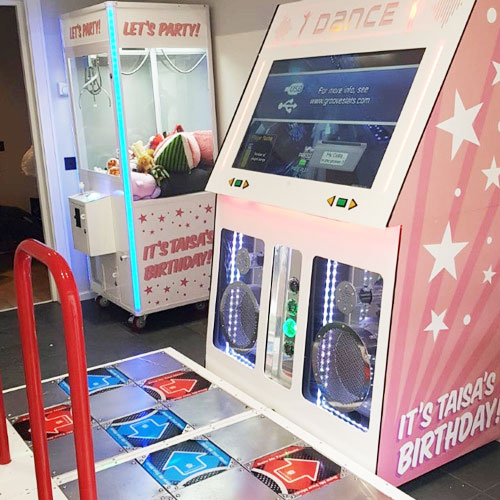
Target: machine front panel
<point>313,275</point>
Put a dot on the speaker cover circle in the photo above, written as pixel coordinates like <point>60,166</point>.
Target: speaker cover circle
<point>341,366</point>
<point>239,313</point>
<point>345,297</point>
<point>243,260</point>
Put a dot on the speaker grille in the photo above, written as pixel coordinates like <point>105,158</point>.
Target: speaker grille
<point>341,366</point>
<point>239,313</point>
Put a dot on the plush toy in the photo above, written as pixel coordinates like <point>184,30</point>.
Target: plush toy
<point>143,157</point>
<point>113,166</point>
<point>155,141</point>
<point>144,186</point>
<point>182,151</point>
<point>205,140</point>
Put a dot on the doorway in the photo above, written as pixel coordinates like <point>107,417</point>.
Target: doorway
<point>20,212</point>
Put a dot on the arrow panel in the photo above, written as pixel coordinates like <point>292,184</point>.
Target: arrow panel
<point>146,428</point>
<point>295,470</point>
<point>187,463</point>
<point>58,422</point>
<point>177,385</point>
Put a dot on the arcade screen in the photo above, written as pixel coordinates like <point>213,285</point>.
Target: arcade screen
<point>329,118</point>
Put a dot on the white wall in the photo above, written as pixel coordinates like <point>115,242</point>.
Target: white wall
<point>238,29</point>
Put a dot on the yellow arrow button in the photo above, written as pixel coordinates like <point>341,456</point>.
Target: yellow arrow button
<point>231,181</point>
<point>352,205</point>
<point>331,200</point>
<point>245,185</point>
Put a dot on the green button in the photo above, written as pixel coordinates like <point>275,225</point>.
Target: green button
<point>302,162</point>
<point>341,202</point>
<point>239,182</point>
<point>290,328</point>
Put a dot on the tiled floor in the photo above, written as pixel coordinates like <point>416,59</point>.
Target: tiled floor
<point>108,338</point>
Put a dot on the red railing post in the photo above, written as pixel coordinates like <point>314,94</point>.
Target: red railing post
<point>77,366</point>
<point>4,438</point>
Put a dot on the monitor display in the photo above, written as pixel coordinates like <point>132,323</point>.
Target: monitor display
<point>329,118</point>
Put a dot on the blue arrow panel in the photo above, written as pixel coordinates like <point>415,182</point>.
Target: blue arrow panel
<point>146,428</point>
<point>187,463</point>
<point>99,380</point>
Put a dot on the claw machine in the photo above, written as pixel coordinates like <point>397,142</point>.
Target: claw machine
<point>141,86</point>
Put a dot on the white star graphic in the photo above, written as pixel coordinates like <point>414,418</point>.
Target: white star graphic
<point>460,125</point>
<point>445,253</point>
<point>492,175</point>
<point>488,275</point>
<point>497,69</point>
<point>437,324</point>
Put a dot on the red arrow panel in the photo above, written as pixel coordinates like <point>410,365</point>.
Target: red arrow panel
<point>176,385</point>
<point>295,470</point>
<point>58,422</point>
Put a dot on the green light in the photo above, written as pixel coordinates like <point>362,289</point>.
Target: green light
<point>292,307</point>
<point>290,328</point>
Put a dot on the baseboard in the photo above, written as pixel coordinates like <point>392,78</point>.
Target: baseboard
<point>87,295</point>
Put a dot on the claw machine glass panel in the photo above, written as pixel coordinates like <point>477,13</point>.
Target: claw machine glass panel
<point>143,102</point>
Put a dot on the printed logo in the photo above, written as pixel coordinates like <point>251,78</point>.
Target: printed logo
<point>288,106</point>
<point>294,88</point>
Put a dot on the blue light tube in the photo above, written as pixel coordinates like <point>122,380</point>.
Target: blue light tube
<point>122,138</point>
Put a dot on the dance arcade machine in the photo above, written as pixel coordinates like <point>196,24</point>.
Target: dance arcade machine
<point>356,238</point>
<point>141,85</point>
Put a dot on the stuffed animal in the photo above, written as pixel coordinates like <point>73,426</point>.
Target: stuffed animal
<point>144,186</point>
<point>113,166</point>
<point>155,141</point>
<point>182,151</point>
<point>143,157</point>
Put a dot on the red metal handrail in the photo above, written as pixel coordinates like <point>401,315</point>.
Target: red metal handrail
<point>4,438</point>
<point>77,366</point>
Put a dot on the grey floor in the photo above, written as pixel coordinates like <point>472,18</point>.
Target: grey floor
<point>108,338</point>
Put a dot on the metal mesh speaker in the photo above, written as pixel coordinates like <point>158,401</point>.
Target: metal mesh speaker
<point>239,313</point>
<point>345,297</point>
<point>341,366</point>
<point>243,260</point>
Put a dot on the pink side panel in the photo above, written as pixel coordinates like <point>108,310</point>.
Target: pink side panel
<point>442,190</point>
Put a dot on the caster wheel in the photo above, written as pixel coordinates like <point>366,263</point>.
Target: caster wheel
<point>102,301</point>
<point>201,306</point>
<point>137,323</point>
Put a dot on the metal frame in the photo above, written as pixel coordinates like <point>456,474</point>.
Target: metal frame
<point>77,364</point>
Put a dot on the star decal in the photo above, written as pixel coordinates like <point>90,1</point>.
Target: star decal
<point>208,209</point>
<point>179,212</point>
<point>437,324</point>
<point>492,175</point>
<point>148,290</point>
<point>143,218</point>
<point>166,289</point>
<point>460,125</point>
<point>444,254</point>
<point>488,275</point>
<point>184,282</point>
<point>497,69</point>
<point>161,218</point>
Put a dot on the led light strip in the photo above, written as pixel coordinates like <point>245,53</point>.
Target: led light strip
<point>127,190</point>
<point>328,308</point>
